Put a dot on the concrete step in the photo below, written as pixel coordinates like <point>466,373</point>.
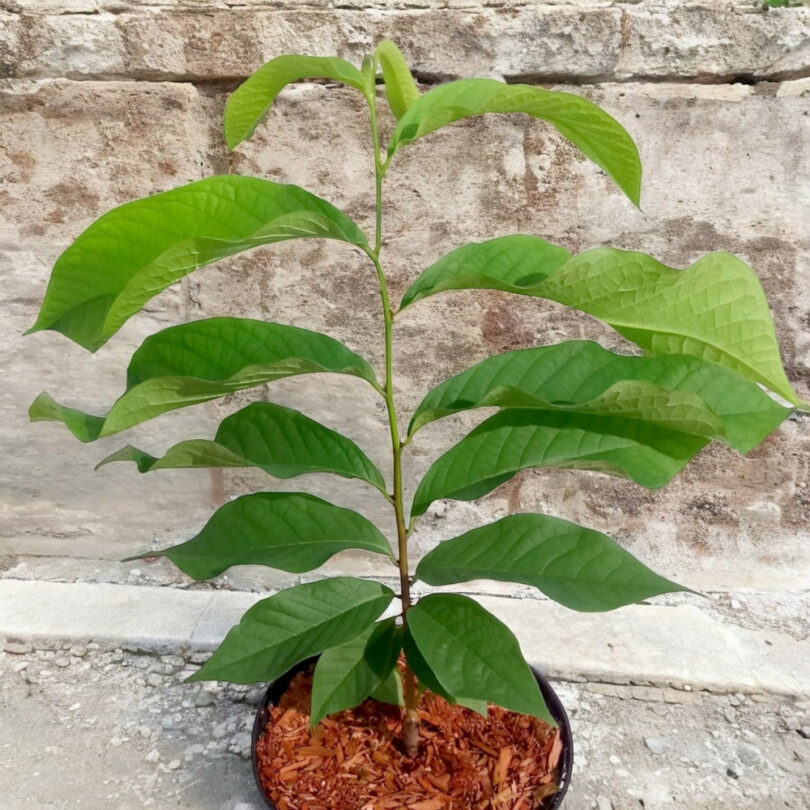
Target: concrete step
<point>683,646</point>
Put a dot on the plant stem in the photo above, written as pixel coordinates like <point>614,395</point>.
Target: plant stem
<point>410,689</point>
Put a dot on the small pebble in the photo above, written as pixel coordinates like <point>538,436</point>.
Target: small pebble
<point>749,755</point>
<point>657,745</point>
<point>74,707</point>
<point>603,803</point>
<point>153,755</point>
<point>192,751</point>
<point>203,699</point>
<point>240,745</point>
<point>174,765</point>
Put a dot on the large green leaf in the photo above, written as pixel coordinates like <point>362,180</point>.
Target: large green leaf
<point>400,88</point>
<point>137,250</point>
<point>203,360</point>
<point>278,440</point>
<point>346,675</point>
<point>561,376</point>
<point>249,103</point>
<point>517,439</point>
<point>293,625</point>
<point>580,568</point>
<point>427,678</point>
<point>473,654</point>
<point>715,309</point>
<point>292,531</point>
<point>599,136</point>
<point>508,263</point>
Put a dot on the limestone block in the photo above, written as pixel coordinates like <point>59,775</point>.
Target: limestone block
<point>579,42</point>
<point>713,41</point>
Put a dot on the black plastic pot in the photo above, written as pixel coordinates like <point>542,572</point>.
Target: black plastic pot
<point>279,687</point>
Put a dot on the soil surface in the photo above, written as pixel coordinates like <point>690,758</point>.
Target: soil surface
<point>93,729</point>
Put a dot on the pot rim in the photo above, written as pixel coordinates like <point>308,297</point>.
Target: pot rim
<point>277,688</point>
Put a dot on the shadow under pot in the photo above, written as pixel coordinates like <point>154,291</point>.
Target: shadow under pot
<point>279,687</point>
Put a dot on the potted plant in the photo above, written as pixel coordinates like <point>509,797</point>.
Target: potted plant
<point>710,357</point>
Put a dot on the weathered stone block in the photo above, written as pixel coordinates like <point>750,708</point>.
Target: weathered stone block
<point>205,41</point>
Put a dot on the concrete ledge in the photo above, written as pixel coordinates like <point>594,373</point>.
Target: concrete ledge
<point>655,645</point>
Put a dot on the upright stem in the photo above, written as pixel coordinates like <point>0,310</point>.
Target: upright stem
<point>410,689</point>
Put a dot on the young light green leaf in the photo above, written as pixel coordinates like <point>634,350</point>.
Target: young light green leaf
<point>578,372</point>
<point>293,625</point>
<point>204,360</point>
<point>249,103</point>
<point>474,655</point>
<point>427,678</point>
<point>389,690</point>
<point>292,531</point>
<point>278,440</point>
<point>400,88</point>
<point>580,568</point>
<point>598,136</point>
<point>346,675</point>
<point>715,309</point>
<point>138,249</point>
<point>508,263</point>
<point>518,439</point>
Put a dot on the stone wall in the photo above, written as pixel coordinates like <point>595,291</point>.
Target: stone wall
<point>104,101</point>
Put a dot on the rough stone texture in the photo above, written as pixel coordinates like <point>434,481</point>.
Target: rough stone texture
<point>726,168</point>
<point>576,41</point>
<point>128,726</point>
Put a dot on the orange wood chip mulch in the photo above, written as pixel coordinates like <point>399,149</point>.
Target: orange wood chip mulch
<point>353,760</point>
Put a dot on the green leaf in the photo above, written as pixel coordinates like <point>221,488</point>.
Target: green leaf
<point>199,361</point>
<point>518,439</point>
<point>400,88</point>
<point>574,373</point>
<point>280,441</point>
<point>345,676</point>
<point>249,103</point>
<point>293,625</point>
<point>137,250</point>
<point>580,568</point>
<point>715,309</point>
<point>474,655</point>
<point>508,263</point>
<point>389,689</point>
<point>428,680</point>
<point>599,136</point>
<point>292,531</point>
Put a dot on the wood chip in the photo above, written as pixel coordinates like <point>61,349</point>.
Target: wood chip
<point>354,759</point>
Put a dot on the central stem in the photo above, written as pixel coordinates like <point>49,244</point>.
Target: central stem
<point>410,688</point>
